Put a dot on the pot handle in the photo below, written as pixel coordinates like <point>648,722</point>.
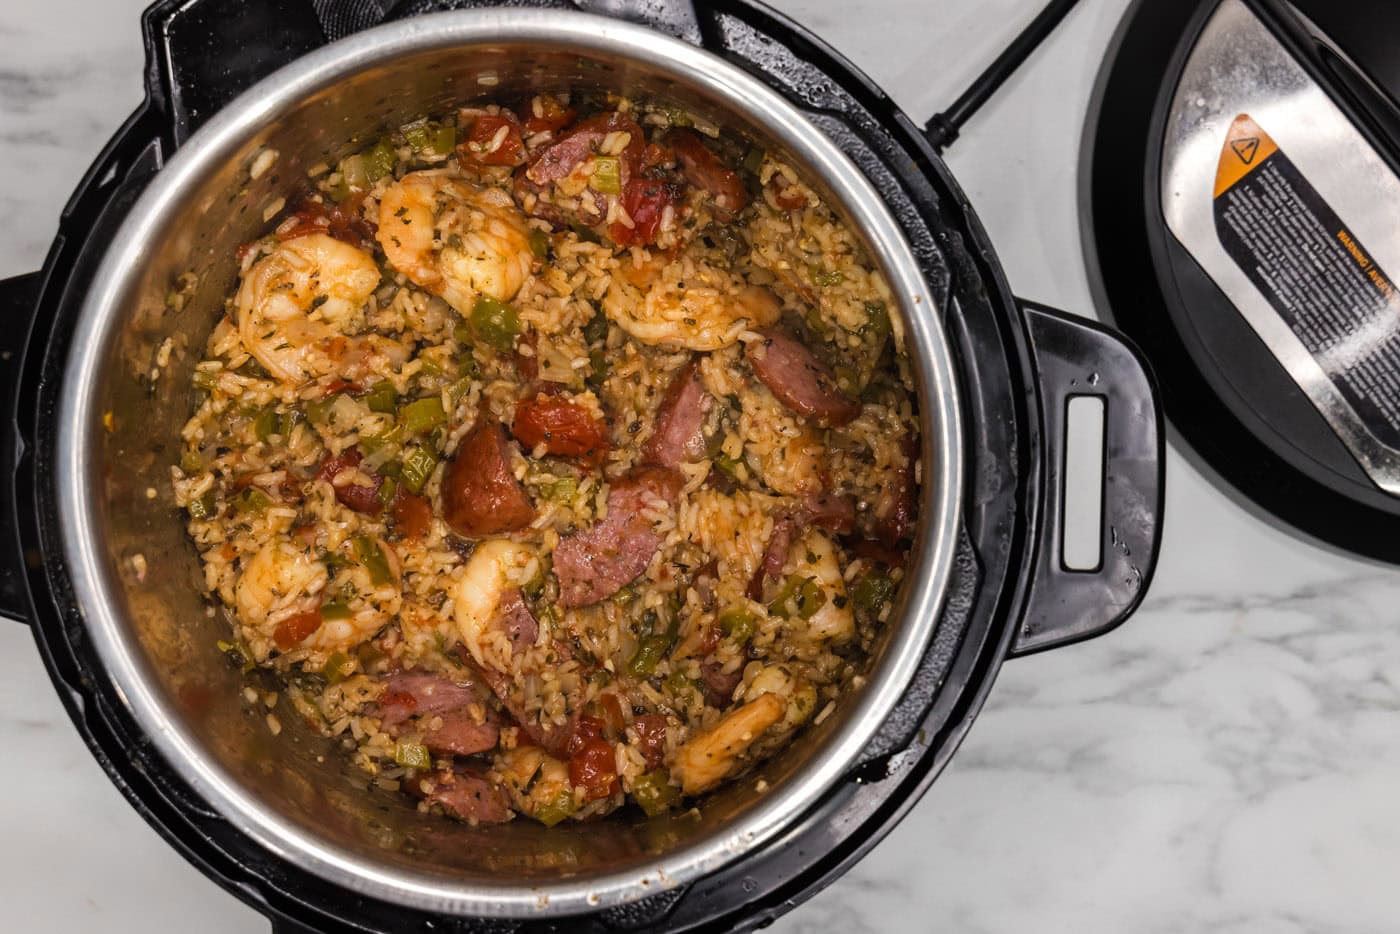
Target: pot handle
<point>19,299</point>
<point>1075,358</point>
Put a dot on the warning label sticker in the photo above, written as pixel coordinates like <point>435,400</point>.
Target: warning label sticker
<point>1313,270</point>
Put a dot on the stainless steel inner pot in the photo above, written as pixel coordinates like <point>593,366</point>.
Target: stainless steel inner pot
<point>137,580</point>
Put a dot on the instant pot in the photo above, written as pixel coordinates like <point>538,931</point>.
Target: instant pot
<point>96,373</point>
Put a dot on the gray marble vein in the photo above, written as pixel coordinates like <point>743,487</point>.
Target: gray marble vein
<point>1227,762</point>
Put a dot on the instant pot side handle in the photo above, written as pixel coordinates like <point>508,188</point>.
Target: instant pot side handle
<point>1072,600</point>
<point>19,302</point>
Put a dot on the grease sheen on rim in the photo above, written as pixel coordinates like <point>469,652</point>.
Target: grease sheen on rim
<point>206,151</point>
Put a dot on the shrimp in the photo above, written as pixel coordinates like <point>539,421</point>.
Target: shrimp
<point>702,309</point>
<point>299,304</point>
<point>814,556</point>
<point>282,603</point>
<point>279,581</point>
<point>369,604</point>
<point>455,239</point>
<point>708,757</point>
<point>537,782</point>
<point>495,567</point>
<point>780,681</point>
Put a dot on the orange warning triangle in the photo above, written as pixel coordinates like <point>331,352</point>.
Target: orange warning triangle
<point>1246,147</point>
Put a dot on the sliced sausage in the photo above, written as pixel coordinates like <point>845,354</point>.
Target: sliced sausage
<point>719,684</point>
<point>678,436</point>
<point>480,495</point>
<point>704,169</point>
<point>520,625</point>
<point>465,795</point>
<point>563,426</point>
<point>798,379</point>
<point>560,158</point>
<point>439,709</point>
<point>894,510</point>
<point>359,497</point>
<point>596,563</point>
<point>554,739</point>
<point>651,737</point>
<point>774,556</point>
<point>832,511</point>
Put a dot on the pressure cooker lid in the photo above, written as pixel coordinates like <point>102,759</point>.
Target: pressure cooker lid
<point>1241,195</point>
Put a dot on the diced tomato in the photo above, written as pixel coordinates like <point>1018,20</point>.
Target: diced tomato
<point>527,363</point>
<point>560,158</point>
<point>876,551</point>
<point>341,221</point>
<point>293,630</point>
<point>413,515</point>
<point>655,154</point>
<point>478,147</point>
<point>645,201</point>
<point>563,426</point>
<point>704,169</point>
<point>553,115</point>
<point>614,720</point>
<point>785,194</point>
<point>651,737</point>
<point>594,769</point>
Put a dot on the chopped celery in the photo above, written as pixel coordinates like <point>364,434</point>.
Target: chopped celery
<point>753,160</point>
<point>252,501</point>
<point>443,139</point>
<point>539,244</point>
<point>380,160</point>
<point>335,610</point>
<point>607,175</point>
<point>738,624</point>
<point>202,508</point>
<point>416,135</point>
<point>418,465</point>
<point>388,488</point>
<point>423,415</point>
<point>412,755</point>
<point>369,554</point>
<point>382,398</point>
<point>872,591</point>
<point>355,172</point>
<point>337,665</point>
<point>457,390</point>
<point>556,810</point>
<point>654,793</point>
<point>265,424</point>
<point>318,411</point>
<point>191,462</point>
<point>495,322</point>
<point>799,596</point>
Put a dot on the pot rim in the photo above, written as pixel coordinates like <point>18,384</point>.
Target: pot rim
<point>79,486</point>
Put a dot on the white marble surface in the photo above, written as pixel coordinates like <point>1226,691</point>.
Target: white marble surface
<point>1229,761</point>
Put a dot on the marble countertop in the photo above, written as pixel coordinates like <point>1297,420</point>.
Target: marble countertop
<point>1228,761</point>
